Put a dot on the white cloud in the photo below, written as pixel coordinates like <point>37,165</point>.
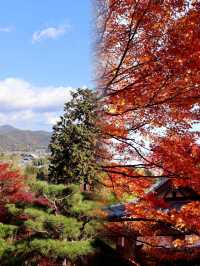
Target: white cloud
<point>50,33</point>
<point>21,117</point>
<point>6,29</point>
<point>24,105</point>
<point>17,94</point>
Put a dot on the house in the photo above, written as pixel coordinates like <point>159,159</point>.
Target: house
<point>174,197</point>
<point>27,158</point>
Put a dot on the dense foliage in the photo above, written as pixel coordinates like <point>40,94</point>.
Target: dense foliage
<point>74,141</point>
<point>148,73</point>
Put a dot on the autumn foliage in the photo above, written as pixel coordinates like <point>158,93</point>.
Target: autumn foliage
<point>148,76</point>
<point>14,189</point>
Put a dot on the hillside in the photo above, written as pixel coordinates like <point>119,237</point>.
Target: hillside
<point>13,139</point>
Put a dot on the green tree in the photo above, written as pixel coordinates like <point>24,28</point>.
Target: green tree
<point>74,141</point>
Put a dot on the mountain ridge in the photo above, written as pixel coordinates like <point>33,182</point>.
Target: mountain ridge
<point>14,139</point>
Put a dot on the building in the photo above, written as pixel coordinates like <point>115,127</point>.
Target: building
<point>131,245</point>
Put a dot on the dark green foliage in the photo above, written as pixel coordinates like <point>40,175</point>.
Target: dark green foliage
<point>74,141</point>
<point>60,230</point>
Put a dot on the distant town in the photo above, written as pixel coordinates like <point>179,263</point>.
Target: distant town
<point>25,149</point>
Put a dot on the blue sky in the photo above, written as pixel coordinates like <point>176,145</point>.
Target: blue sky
<point>45,50</point>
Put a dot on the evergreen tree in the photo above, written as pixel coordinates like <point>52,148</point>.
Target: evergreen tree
<point>74,141</point>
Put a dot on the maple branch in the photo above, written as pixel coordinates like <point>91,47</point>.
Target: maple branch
<point>170,173</point>
<point>128,87</point>
<point>161,102</point>
<point>141,176</point>
<point>131,35</point>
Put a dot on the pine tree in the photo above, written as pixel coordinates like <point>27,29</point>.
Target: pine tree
<point>44,224</point>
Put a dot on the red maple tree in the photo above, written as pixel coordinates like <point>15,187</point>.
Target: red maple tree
<point>14,189</point>
<point>148,76</point>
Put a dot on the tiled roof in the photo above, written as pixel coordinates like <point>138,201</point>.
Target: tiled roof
<point>119,210</point>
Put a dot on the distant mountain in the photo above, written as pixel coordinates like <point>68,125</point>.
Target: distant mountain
<point>13,139</point>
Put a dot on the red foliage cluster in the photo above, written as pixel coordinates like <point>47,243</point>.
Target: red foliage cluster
<point>14,189</point>
<point>179,157</point>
